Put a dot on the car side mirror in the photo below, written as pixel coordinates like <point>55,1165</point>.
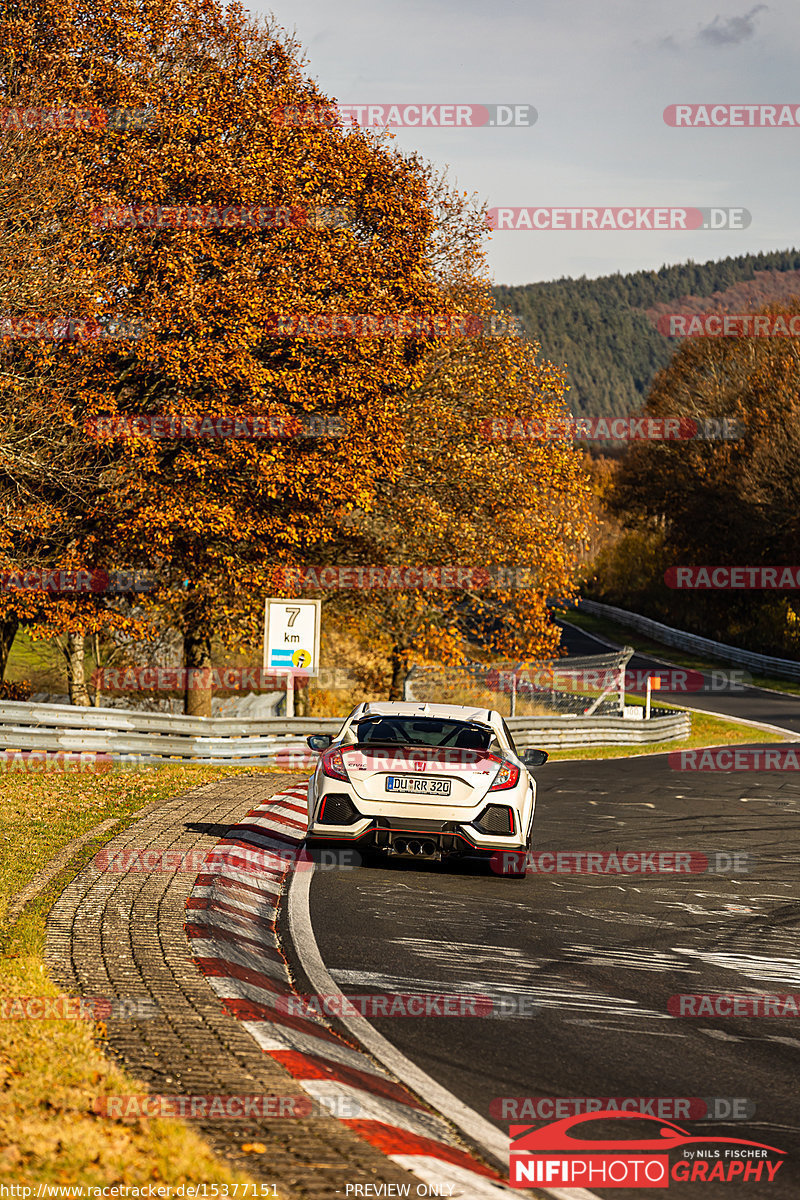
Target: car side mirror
<point>534,758</point>
<point>319,741</point>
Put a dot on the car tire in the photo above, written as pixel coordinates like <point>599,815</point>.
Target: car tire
<point>520,871</point>
<point>517,872</point>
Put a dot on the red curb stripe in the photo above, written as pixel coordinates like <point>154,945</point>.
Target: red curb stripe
<point>225,881</point>
<point>283,852</point>
<point>221,968</point>
<point>259,814</point>
<point>201,914</point>
<point>278,814</point>
<point>251,834</point>
<point>309,1066</point>
<point>243,918</point>
<point>229,904</point>
<point>391,1140</point>
<point>251,1010</point>
<point>274,841</point>
<point>263,831</point>
<point>213,933</point>
<point>248,836</point>
<point>268,808</point>
<point>267,879</point>
<point>274,815</point>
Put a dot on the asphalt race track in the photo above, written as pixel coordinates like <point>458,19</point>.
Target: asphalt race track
<point>597,957</point>
<point>729,697</point>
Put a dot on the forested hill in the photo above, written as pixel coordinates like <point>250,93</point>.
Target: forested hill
<point>605,329</point>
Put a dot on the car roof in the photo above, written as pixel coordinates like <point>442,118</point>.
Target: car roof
<point>411,708</point>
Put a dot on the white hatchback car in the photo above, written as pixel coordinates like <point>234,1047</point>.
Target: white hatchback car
<point>424,781</point>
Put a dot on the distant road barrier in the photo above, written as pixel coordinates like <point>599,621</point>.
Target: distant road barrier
<point>765,664</point>
<point>134,737</point>
<point>565,733</point>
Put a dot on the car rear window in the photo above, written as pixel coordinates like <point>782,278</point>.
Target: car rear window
<point>423,731</point>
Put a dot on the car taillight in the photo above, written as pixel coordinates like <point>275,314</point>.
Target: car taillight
<point>333,765</point>
<point>506,777</point>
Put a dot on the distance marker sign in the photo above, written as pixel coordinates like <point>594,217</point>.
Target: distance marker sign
<point>291,636</point>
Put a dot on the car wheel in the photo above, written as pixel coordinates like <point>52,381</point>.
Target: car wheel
<point>517,869</point>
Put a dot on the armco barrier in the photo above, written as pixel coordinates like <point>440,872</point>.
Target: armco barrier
<point>564,733</point>
<point>783,668</point>
<point>162,736</point>
<point>156,736</point>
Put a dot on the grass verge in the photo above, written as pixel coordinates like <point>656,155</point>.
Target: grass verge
<point>51,1071</point>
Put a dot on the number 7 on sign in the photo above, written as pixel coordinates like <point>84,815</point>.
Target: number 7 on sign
<point>295,612</point>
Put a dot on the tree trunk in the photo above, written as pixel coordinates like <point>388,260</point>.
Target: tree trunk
<point>8,631</point>
<point>76,673</point>
<point>399,672</point>
<point>96,697</point>
<point>302,706</point>
<point>197,660</point>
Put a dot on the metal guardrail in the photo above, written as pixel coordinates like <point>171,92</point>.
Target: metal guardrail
<point>783,668</point>
<point>553,733</point>
<point>154,737</point>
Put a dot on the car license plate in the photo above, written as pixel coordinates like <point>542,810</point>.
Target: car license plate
<point>414,783</point>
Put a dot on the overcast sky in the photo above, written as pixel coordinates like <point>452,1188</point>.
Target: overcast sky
<point>599,74</point>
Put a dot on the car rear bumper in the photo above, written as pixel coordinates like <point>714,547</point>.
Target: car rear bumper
<point>437,839</point>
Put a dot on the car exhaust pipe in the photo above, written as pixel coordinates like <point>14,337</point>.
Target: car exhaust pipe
<point>414,847</point>
<point>428,848</point>
<point>401,845</point>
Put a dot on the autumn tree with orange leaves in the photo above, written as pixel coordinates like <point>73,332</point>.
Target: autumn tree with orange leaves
<point>49,475</point>
<point>728,499</point>
<point>473,493</point>
<point>343,224</point>
<point>211,516</point>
